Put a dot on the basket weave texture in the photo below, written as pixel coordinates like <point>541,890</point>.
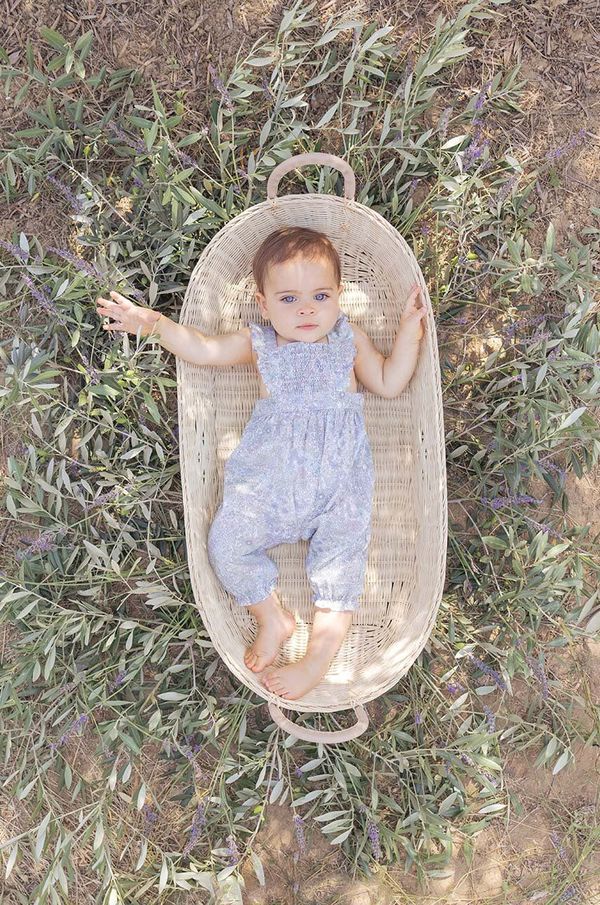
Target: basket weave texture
<point>407,554</point>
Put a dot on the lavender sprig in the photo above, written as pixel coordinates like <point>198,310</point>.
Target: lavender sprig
<point>373,833</point>
<point>300,837</point>
<point>538,670</point>
<point>492,673</point>
<point>234,855</point>
<point>75,202</point>
<point>576,139</point>
<point>15,250</point>
<point>217,82</point>
<point>78,724</point>
<point>198,823</point>
<point>490,717</point>
<point>84,266</point>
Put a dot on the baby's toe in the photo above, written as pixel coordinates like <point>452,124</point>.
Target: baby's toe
<point>269,678</point>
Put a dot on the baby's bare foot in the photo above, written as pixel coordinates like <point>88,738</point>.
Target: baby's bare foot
<point>275,625</point>
<point>295,680</point>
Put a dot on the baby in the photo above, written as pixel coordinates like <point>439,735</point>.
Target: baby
<point>303,467</point>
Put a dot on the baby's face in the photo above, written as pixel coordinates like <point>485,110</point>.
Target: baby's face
<point>300,292</point>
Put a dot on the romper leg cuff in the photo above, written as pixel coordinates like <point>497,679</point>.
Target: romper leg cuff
<point>338,606</point>
<point>249,600</point>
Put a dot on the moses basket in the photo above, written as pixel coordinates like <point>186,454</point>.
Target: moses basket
<point>407,554</point>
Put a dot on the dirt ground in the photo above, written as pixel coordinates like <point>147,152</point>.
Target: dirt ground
<point>556,43</point>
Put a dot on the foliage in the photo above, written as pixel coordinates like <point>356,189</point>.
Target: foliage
<point>105,638</point>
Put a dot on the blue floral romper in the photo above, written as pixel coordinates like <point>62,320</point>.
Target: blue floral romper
<point>302,469</point>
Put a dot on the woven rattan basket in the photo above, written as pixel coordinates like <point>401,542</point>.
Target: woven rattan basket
<point>407,554</point>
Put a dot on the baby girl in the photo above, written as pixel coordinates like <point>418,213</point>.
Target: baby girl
<point>303,467</point>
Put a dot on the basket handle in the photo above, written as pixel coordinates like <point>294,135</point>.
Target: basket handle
<point>303,160</point>
<point>314,735</point>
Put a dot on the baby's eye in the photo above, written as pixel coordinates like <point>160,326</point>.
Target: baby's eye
<point>286,297</point>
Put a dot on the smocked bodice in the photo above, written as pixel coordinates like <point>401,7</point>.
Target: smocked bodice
<point>306,372</point>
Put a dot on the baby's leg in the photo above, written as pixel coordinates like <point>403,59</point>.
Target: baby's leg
<point>236,551</point>
<point>336,564</point>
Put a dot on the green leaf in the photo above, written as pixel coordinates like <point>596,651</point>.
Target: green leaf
<point>41,836</point>
<point>164,875</point>
<point>143,853</point>
<point>342,836</point>
<point>561,762</point>
<point>328,114</point>
<point>572,418</point>
<point>11,860</point>
<point>141,797</point>
<point>276,791</point>
<point>99,835</point>
<point>258,868</point>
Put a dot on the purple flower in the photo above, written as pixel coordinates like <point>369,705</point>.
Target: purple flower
<point>471,763</point>
<point>299,825</point>
<point>74,201</point>
<point>507,188</point>
<point>102,499</point>
<point>43,298</point>
<point>150,816</point>
<point>500,501</point>
<point>418,719</point>
<point>481,97</point>
<point>298,772</point>
<point>552,466</point>
<point>221,88</point>
<point>186,159</point>
<point>15,250</point>
<point>545,528</point>
<point>374,838</point>
<point>490,718</point>
<point>454,687</point>
<point>78,724</point>
<point>84,266</point>
<point>198,823</point>
<point>538,670</point>
<point>558,845</point>
<point>492,673</point>
<point>43,544</point>
<point>577,139</point>
<point>234,855</point>
<point>137,145</point>
<point>120,678</point>
<point>474,150</point>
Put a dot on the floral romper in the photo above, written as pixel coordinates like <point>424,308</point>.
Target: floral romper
<point>303,469</point>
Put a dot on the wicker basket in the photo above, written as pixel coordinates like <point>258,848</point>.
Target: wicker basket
<point>407,554</point>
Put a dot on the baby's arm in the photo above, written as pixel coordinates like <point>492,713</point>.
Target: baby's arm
<point>182,340</point>
<point>388,377</point>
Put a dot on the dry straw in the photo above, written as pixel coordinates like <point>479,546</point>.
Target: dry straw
<point>407,554</point>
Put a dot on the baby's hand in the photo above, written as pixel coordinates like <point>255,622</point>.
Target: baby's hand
<point>414,316</point>
<point>128,316</point>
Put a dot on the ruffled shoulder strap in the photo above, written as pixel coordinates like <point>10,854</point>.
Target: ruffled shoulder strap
<point>342,331</point>
<point>263,341</point>
<point>262,337</point>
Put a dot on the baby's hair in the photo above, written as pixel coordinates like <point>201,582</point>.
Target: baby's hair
<point>289,242</point>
